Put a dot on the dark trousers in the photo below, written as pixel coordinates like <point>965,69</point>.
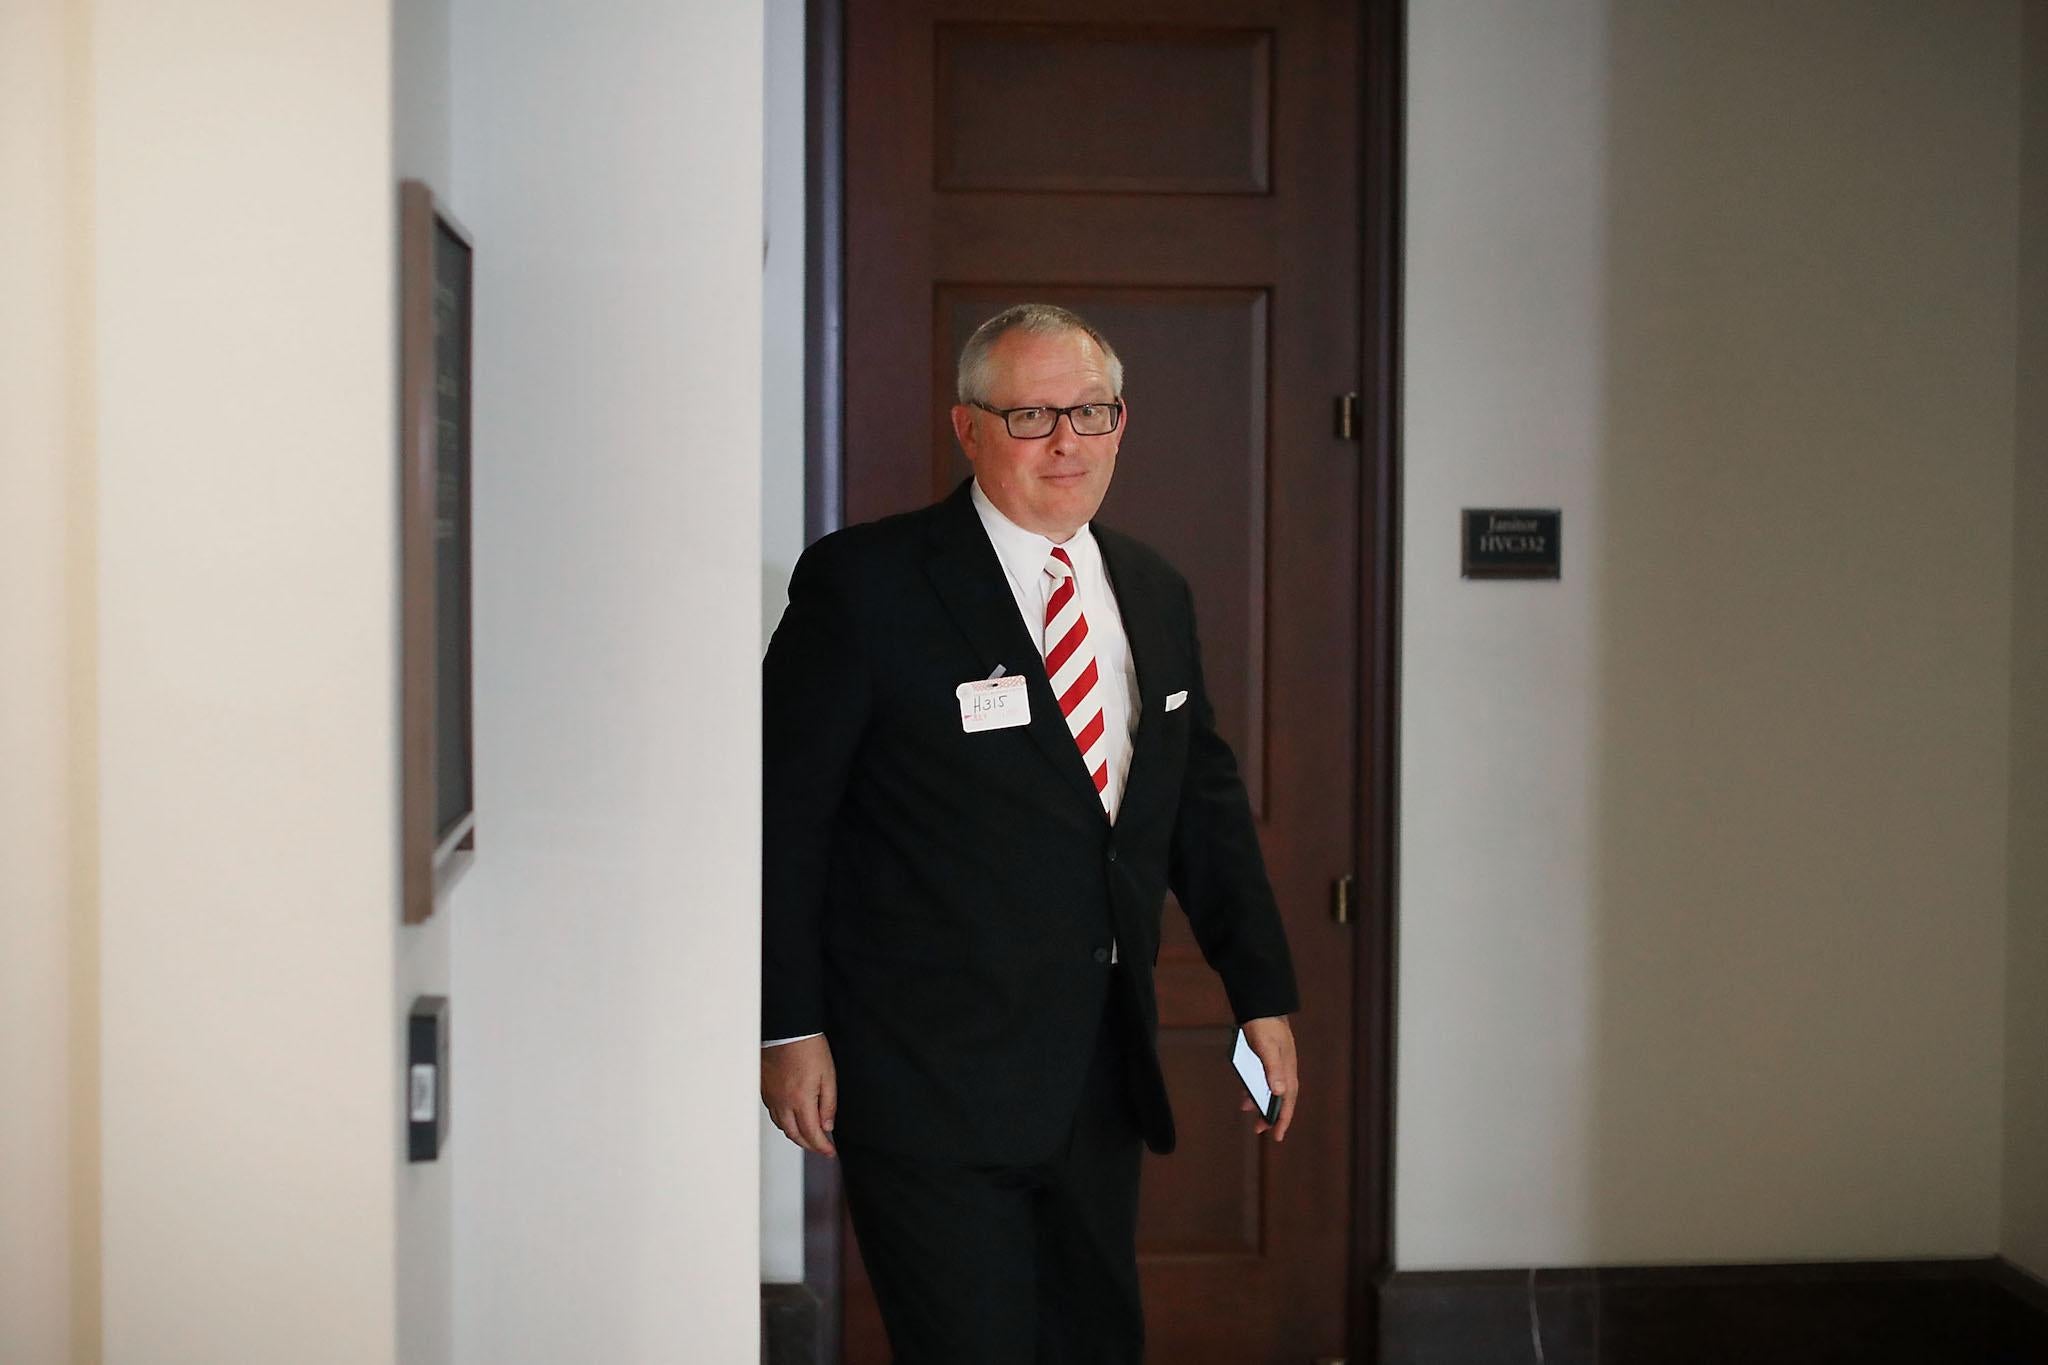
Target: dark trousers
<point>1012,1265</point>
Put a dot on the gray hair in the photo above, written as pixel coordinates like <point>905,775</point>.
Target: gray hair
<point>971,382</point>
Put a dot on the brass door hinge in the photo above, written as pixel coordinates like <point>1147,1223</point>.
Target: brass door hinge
<point>1340,898</point>
<point>1347,416</point>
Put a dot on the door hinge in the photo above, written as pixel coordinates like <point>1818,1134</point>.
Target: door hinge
<point>1340,898</point>
<point>1347,416</point>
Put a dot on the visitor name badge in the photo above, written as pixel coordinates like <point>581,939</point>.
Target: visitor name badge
<point>993,704</point>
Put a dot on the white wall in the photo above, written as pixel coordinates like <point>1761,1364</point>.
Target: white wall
<point>782,493</point>
<point>606,942</point>
<point>242,260</point>
<point>421,132</point>
<point>2025,1232</point>
<point>1703,847</point>
<point>41,355</point>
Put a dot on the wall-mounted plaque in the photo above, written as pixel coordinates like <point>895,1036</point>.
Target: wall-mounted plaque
<point>435,306</point>
<point>1512,542</point>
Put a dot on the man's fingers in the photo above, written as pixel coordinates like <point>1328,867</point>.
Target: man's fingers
<point>1273,1041</point>
<point>814,1137</point>
<point>800,1088</point>
<point>799,1123</point>
<point>1287,1086</point>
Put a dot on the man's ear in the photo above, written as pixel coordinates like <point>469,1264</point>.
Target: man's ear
<point>963,430</point>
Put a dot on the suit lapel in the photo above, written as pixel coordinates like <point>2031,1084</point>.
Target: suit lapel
<point>1140,601</point>
<point>970,581</point>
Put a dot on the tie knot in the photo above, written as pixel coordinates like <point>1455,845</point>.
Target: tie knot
<point>1059,566</point>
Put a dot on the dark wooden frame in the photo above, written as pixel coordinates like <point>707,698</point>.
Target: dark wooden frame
<point>1383,76</point>
<point>1384,83</point>
<point>430,858</point>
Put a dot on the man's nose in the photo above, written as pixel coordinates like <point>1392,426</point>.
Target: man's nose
<point>1063,437</point>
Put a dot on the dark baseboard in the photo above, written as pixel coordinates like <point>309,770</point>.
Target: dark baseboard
<point>1975,1312</point>
<point>1970,1312</point>
<point>790,1318</point>
<point>2026,1288</point>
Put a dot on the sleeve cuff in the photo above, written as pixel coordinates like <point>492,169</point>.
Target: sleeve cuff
<point>778,1042</point>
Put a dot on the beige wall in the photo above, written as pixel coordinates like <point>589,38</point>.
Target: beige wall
<point>47,1245</point>
<point>242,254</point>
<point>196,608</point>
<point>196,496</point>
<point>2025,1236</point>
<point>606,944</point>
<point>782,493</point>
<point>421,133</point>
<point>1704,847</point>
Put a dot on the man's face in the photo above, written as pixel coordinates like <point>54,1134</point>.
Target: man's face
<point>1054,484</point>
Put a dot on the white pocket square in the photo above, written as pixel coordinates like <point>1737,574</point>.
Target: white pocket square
<point>1175,700</point>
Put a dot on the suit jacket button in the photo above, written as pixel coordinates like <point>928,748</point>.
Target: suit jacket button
<point>1102,954</point>
<point>1112,855</point>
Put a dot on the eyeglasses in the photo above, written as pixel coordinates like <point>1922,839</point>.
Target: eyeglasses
<point>1087,419</point>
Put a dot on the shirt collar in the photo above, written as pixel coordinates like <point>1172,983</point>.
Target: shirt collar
<point>1024,552</point>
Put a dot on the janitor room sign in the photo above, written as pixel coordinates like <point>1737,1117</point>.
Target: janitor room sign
<point>1511,542</point>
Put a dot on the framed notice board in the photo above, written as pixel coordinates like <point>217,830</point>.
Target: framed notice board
<point>436,311</point>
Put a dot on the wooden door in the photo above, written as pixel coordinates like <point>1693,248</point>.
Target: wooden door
<point>1184,173</point>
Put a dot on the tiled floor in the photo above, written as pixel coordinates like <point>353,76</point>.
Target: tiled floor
<point>1664,1318</point>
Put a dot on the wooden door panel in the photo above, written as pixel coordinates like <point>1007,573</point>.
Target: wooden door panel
<point>1184,173</point>
<point>1098,107</point>
<point>1104,238</point>
<point>1190,997</point>
<point>1204,1200</point>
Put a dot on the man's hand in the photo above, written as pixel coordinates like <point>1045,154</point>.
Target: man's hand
<point>1273,1041</point>
<point>801,1089</point>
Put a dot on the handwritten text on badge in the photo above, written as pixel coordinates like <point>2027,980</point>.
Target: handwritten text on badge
<point>993,704</point>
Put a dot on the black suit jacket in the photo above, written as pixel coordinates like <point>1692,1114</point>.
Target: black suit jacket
<point>941,904</point>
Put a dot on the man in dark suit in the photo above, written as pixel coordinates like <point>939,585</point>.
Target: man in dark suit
<point>989,753</point>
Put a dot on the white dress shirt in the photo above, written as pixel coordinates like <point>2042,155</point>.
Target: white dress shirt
<point>1024,555</point>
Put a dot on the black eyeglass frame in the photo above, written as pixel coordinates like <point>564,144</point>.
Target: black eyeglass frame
<point>1115,405</point>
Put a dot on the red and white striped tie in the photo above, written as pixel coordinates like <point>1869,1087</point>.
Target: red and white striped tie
<point>1070,663</point>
